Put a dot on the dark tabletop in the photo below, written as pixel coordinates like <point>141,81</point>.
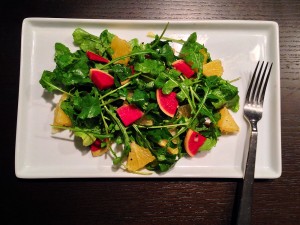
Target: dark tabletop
<point>149,201</point>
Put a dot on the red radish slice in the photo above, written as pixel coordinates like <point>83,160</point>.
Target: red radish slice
<point>193,141</point>
<point>183,67</point>
<point>167,103</point>
<point>101,79</point>
<point>95,57</point>
<point>129,114</point>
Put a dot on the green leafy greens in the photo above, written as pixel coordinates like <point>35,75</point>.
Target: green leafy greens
<point>93,111</point>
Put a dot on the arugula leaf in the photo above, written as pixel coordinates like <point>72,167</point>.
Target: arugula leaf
<point>151,66</point>
<point>87,41</point>
<point>165,160</point>
<point>160,80</point>
<point>233,104</point>
<point>167,54</point>
<point>75,74</point>
<point>223,93</point>
<point>169,86</point>
<point>172,81</point>
<point>121,71</point>
<point>156,135</point>
<point>89,107</point>
<point>106,39</point>
<point>83,109</point>
<point>49,81</point>
<point>164,167</point>
<point>190,52</point>
<point>184,89</point>
<point>71,69</point>
<point>86,106</point>
<point>63,56</point>
<point>140,98</point>
<point>134,43</point>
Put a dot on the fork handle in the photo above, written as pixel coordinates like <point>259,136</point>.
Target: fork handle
<point>244,213</point>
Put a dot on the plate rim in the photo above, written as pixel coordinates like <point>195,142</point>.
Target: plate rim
<point>30,21</point>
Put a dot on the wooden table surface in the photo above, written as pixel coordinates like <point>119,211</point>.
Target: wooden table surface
<point>154,201</point>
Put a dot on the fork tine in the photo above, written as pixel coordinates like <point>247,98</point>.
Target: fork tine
<point>251,83</point>
<point>261,78</point>
<point>265,85</point>
<point>255,92</point>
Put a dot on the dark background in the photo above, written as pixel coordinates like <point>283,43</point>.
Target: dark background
<point>148,201</point>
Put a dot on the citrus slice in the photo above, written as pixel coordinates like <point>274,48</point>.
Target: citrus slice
<point>120,48</point>
<point>227,123</point>
<point>138,157</point>
<point>60,117</point>
<point>213,68</point>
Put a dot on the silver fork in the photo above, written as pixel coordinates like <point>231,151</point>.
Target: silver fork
<point>253,110</point>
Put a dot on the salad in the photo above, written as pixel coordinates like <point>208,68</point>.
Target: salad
<point>158,105</point>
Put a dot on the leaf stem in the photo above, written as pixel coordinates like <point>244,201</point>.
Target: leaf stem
<point>200,107</point>
<point>234,80</point>
<point>126,56</point>
<point>163,126</point>
<point>183,129</point>
<point>150,78</point>
<point>142,136</point>
<point>88,131</point>
<point>186,94</point>
<point>162,34</point>
<point>57,88</point>
<point>179,41</point>
<point>108,102</point>
<point>113,91</point>
<point>126,150</point>
<point>134,75</point>
<point>103,119</point>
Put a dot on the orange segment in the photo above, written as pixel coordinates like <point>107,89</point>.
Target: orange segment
<point>213,68</point>
<point>120,48</point>
<point>227,123</point>
<point>60,118</point>
<point>138,157</point>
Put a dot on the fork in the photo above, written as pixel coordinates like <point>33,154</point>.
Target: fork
<point>253,110</point>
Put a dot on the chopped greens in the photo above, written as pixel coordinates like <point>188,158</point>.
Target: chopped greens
<point>93,110</point>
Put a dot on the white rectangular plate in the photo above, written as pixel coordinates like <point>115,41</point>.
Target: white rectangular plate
<point>238,44</point>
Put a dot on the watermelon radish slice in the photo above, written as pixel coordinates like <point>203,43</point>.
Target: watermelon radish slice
<point>129,114</point>
<point>101,79</point>
<point>95,57</point>
<point>183,67</point>
<point>168,103</point>
<point>193,141</point>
